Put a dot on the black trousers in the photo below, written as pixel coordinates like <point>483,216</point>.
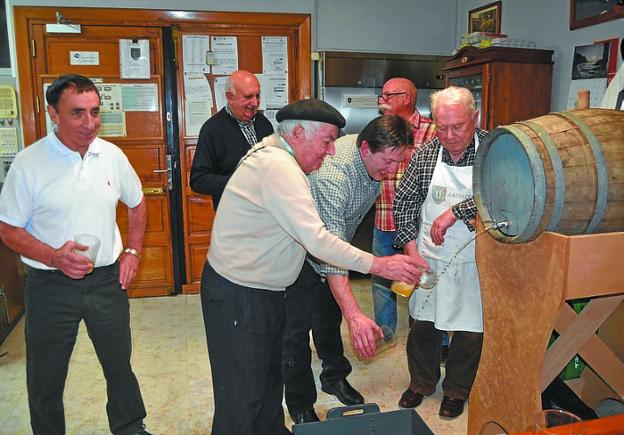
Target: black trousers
<point>55,305</point>
<point>244,328</point>
<point>424,351</point>
<point>310,305</point>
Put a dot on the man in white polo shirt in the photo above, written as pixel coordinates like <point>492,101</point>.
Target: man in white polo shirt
<point>65,184</point>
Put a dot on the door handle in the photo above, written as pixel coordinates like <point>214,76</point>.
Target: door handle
<point>167,171</point>
<point>153,190</point>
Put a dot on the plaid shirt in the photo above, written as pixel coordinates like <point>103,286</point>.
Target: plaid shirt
<point>414,187</point>
<point>343,192</point>
<point>248,128</point>
<point>424,131</point>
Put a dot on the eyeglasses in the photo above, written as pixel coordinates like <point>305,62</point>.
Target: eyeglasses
<point>387,95</point>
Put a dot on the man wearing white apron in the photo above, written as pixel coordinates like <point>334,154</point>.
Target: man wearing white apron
<point>433,210</point>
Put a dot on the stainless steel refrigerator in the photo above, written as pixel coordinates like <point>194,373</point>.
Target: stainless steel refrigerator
<point>351,81</point>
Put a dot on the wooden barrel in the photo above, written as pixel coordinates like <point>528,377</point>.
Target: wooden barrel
<point>562,172</point>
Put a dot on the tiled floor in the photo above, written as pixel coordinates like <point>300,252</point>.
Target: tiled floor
<point>171,361</point>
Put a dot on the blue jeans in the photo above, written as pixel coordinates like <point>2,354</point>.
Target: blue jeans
<point>384,300</point>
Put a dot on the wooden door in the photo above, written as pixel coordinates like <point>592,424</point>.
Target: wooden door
<point>198,211</point>
<point>144,138</point>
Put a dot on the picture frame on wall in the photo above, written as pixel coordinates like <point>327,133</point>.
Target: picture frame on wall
<point>485,18</point>
<point>590,61</point>
<point>585,13</point>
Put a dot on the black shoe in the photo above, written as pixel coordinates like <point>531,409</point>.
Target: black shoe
<point>142,432</point>
<point>344,392</point>
<point>451,408</point>
<point>410,399</point>
<point>307,416</point>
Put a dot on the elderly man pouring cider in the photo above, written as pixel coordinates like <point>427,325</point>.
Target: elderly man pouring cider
<point>433,208</point>
<point>265,223</point>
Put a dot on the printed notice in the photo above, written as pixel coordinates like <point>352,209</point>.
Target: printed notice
<point>139,97</point>
<point>274,89</point>
<point>84,58</point>
<point>8,142</point>
<point>194,52</point>
<point>112,116</point>
<point>112,124</point>
<point>274,54</point>
<point>198,102</point>
<point>110,97</point>
<point>219,90</point>
<point>134,58</point>
<point>8,102</point>
<point>225,51</point>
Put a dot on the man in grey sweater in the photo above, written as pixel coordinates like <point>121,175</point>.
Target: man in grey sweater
<point>265,223</point>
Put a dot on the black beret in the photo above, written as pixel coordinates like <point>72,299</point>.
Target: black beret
<point>311,110</point>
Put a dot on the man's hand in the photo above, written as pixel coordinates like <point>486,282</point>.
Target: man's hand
<point>363,332</point>
<point>73,265</point>
<point>406,268</point>
<point>128,267</point>
<point>440,225</point>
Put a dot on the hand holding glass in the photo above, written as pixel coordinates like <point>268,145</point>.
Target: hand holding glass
<point>428,279</point>
<point>386,341</point>
<point>93,246</point>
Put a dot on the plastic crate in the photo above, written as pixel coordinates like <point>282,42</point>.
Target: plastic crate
<point>366,420</point>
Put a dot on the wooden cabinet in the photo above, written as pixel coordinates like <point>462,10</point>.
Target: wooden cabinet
<point>509,84</point>
<point>12,277</point>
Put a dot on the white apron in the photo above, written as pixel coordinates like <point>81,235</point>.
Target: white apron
<point>455,302</point>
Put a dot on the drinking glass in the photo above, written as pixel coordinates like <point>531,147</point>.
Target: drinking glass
<point>428,280</point>
<point>93,246</point>
<point>386,341</point>
<point>557,421</point>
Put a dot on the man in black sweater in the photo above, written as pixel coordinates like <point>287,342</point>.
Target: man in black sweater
<point>228,135</point>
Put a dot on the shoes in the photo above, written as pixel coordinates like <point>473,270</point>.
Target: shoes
<point>410,399</point>
<point>307,416</point>
<point>451,408</point>
<point>142,432</point>
<point>344,392</point>
<point>445,352</point>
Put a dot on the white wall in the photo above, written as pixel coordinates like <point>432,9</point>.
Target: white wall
<point>408,26</point>
<point>547,22</point>
<point>405,26</point>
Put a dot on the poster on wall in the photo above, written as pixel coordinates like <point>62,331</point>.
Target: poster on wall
<point>134,58</point>
<point>194,51</point>
<point>224,54</point>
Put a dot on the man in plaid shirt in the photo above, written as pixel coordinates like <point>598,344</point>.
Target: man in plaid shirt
<point>344,190</point>
<point>398,97</point>
<point>433,210</point>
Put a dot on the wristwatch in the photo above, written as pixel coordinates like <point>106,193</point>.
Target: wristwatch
<point>133,252</point>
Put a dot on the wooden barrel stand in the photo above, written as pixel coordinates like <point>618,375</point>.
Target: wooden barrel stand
<point>524,288</point>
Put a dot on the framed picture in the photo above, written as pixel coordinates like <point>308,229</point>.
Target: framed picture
<point>485,18</point>
<point>590,61</point>
<point>585,13</point>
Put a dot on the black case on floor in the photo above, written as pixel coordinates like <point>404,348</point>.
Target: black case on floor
<point>364,420</point>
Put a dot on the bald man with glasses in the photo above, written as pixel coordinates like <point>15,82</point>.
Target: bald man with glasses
<point>398,97</point>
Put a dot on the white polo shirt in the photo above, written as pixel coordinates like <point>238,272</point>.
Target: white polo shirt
<point>54,194</point>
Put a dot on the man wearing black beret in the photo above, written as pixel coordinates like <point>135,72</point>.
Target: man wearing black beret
<point>264,225</point>
<point>344,190</point>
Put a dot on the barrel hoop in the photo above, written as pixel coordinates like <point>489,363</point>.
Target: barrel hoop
<point>557,166</point>
<point>539,179</point>
<point>601,172</point>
